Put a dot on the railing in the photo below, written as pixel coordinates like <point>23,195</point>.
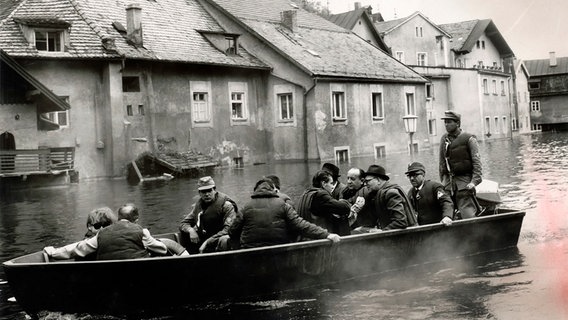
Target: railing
<point>37,161</point>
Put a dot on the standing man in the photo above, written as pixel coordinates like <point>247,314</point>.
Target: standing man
<point>460,165</point>
<point>337,187</point>
<point>428,198</point>
<point>211,216</point>
<point>390,208</point>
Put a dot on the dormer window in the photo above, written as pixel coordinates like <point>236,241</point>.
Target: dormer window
<point>49,40</point>
<point>231,45</point>
<point>225,42</point>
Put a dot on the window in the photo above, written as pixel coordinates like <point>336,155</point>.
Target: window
<point>130,84</point>
<point>200,107</point>
<point>485,89</point>
<point>536,127</point>
<point>400,56</point>
<point>488,126</point>
<point>419,33</point>
<point>286,104</point>
<point>231,45</point>
<point>535,105</point>
<point>421,59</point>
<point>483,44</point>
<point>141,109</point>
<point>459,63</point>
<point>129,110</point>
<point>341,154</point>
<point>480,63</point>
<point>380,150</point>
<point>502,87</point>
<point>59,117</point>
<point>429,91</point>
<point>494,82</point>
<point>432,127</point>
<point>49,40</point>
<point>378,110</point>
<point>200,104</point>
<point>338,105</point>
<point>478,44</point>
<point>496,124</point>
<point>505,124</point>
<point>410,108</point>
<point>534,85</point>
<point>238,102</point>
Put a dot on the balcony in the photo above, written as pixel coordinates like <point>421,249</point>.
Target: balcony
<point>24,162</point>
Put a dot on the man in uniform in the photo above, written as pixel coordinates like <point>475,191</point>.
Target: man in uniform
<point>428,198</point>
<point>460,165</point>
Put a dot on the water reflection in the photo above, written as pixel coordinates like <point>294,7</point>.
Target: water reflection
<point>531,171</point>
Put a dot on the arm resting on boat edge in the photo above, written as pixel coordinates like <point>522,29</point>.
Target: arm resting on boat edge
<point>152,244</point>
<point>77,249</point>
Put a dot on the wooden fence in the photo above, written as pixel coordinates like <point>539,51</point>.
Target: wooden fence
<point>36,161</point>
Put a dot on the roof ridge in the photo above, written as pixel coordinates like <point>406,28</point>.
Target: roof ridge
<point>339,29</point>
<point>13,12</point>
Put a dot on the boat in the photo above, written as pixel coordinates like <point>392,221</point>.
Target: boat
<point>159,285</point>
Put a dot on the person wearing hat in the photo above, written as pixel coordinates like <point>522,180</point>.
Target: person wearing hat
<point>268,220</point>
<point>390,208</point>
<point>209,219</point>
<point>428,198</point>
<point>337,187</point>
<point>460,166</point>
<point>318,206</point>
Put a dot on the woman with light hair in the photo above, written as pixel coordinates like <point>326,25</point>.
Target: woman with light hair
<point>99,218</point>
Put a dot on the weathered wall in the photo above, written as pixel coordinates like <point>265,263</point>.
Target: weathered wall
<point>552,110</point>
<point>21,121</point>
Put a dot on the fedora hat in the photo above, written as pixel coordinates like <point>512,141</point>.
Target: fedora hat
<point>451,115</point>
<point>205,183</point>
<point>414,167</point>
<point>331,168</point>
<point>377,171</point>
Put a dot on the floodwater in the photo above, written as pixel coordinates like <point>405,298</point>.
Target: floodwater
<point>530,282</point>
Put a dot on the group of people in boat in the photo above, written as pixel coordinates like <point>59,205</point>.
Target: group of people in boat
<point>368,202</point>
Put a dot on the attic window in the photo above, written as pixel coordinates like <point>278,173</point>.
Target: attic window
<point>49,40</point>
<point>231,45</point>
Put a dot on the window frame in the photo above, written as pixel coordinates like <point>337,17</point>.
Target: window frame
<point>239,88</point>
<point>60,35</point>
<point>379,150</point>
<point>535,106</point>
<point>377,115</point>
<point>339,151</point>
<point>494,83</point>
<point>485,85</point>
<point>410,108</point>
<point>503,91</point>
<point>400,56</point>
<point>432,129</point>
<point>339,90</point>
<point>200,87</point>
<point>423,62</point>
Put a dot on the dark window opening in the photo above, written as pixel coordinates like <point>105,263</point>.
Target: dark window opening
<point>130,84</point>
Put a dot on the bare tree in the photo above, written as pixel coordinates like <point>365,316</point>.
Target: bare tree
<point>316,7</point>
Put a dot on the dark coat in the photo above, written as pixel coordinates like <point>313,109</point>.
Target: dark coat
<point>121,240</point>
<point>392,207</point>
<point>317,205</point>
<point>267,220</point>
<point>431,202</point>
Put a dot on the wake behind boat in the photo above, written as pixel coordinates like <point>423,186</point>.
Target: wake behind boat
<point>154,286</point>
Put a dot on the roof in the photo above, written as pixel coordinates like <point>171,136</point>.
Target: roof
<point>541,67</point>
<point>171,31</point>
<point>349,19</point>
<point>386,27</point>
<point>47,100</point>
<point>466,33</point>
<point>318,46</point>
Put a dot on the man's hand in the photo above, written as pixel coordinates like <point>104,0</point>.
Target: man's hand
<point>334,237</point>
<point>470,186</point>
<point>49,250</point>
<point>447,221</point>
<point>193,236</point>
<point>204,245</point>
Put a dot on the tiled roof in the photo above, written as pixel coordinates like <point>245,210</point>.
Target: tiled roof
<point>347,19</point>
<point>170,31</point>
<point>386,26</point>
<point>541,67</point>
<point>318,46</point>
<point>460,32</point>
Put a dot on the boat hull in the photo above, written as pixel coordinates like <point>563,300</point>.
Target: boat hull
<point>159,285</point>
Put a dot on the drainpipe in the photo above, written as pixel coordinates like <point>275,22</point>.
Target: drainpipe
<point>305,106</point>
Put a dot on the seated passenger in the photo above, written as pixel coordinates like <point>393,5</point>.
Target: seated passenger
<point>266,220</point>
<point>124,239</point>
<point>97,219</point>
<point>318,206</point>
<point>428,197</point>
<point>389,207</point>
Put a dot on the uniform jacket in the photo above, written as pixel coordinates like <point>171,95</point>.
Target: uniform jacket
<point>462,152</point>
<point>431,203</point>
<point>213,218</point>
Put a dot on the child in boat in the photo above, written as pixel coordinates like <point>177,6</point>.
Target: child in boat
<point>124,239</point>
<point>99,218</point>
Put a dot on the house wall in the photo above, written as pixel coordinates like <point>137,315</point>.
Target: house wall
<point>553,97</point>
<point>360,133</point>
<point>21,121</point>
<point>523,101</point>
<point>496,106</point>
<point>404,39</point>
<point>489,55</point>
<point>89,129</point>
<point>363,30</point>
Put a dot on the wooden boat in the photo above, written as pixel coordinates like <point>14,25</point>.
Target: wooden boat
<point>153,286</point>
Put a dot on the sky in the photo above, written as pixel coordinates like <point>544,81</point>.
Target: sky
<point>532,28</point>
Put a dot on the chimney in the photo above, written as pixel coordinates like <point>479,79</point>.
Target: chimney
<point>357,5</point>
<point>552,59</point>
<point>289,19</point>
<point>134,24</point>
